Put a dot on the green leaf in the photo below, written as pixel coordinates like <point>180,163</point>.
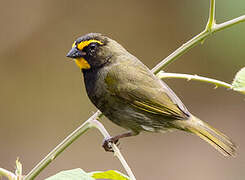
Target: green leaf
<point>74,174</point>
<point>110,175</point>
<point>238,83</point>
<point>79,174</point>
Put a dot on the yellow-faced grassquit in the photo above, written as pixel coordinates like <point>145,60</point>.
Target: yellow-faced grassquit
<point>131,96</point>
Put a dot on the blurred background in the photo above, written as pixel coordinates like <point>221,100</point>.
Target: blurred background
<point>42,95</point>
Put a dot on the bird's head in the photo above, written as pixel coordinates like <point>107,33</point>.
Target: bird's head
<point>92,50</point>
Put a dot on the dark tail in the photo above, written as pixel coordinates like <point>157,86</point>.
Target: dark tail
<point>211,135</point>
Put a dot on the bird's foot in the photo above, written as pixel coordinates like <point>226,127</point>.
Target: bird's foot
<point>107,143</point>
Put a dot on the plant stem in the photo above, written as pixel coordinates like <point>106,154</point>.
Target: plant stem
<point>210,28</point>
<point>8,174</point>
<point>180,51</point>
<point>117,152</point>
<point>61,147</point>
<point>163,75</point>
<point>211,19</point>
<point>92,122</point>
<point>219,27</point>
<point>198,39</point>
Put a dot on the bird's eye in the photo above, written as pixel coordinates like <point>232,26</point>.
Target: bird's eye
<point>92,46</point>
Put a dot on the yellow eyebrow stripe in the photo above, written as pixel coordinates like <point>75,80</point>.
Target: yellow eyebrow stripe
<point>74,44</point>
<point>83,44</point>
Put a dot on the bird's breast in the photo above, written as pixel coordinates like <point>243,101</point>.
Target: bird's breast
<point>95,87</point>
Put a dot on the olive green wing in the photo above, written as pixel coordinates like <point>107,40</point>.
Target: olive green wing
<point>154,106</point>
<point>139,87</point>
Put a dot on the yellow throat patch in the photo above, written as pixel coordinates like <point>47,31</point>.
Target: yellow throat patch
<point>82,63</point>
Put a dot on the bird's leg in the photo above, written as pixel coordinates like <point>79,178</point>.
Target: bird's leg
<point>114,139</point>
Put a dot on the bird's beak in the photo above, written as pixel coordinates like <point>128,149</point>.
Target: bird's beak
<point>78,56</point>
<point>75,53</point>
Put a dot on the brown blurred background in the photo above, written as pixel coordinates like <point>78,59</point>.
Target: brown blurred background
<point>42,97</point>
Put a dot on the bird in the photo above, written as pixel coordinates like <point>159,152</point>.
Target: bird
<point>131,96</point>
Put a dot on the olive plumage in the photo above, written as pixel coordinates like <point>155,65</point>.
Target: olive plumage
<point>131,96</point>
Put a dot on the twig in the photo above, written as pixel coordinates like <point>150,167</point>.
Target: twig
<point>180,51</point>
<point>8,174</point>
<point>210,28</point>
<point>211,19</point>
<point>199,38</point>
<point>92,122</point>
<point>229,23</point>
<point>117,152</point>
<point>61,147</point>
<point>163,75</point>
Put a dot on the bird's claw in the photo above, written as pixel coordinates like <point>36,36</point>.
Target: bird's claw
<point>107,144</point>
